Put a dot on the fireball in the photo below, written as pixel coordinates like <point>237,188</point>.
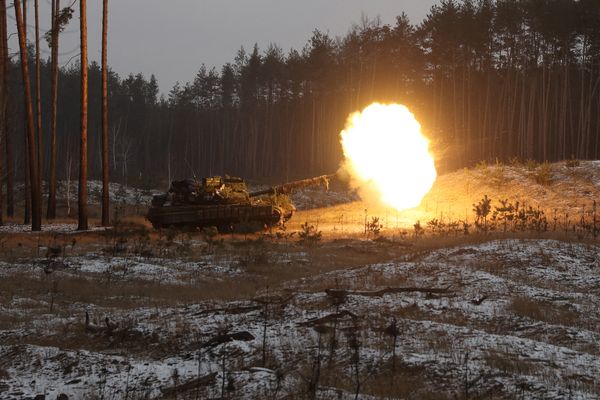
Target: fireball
<point>387,156</point>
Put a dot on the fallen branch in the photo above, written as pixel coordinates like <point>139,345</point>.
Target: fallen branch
<point>228,337</point>
<point>328,318</point>
<point>191,384</point>
<point>230,310</point>
<point>340,293</point>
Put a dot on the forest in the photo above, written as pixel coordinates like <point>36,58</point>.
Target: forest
<point>487,80</point>
<point>455,255</point>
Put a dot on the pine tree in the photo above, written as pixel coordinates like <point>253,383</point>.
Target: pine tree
<point>55,30</point>
<point>104,112</point>
<point>36,220</point>
<point>5,113</point>
<point>38,99</point>
<point>83,159</point>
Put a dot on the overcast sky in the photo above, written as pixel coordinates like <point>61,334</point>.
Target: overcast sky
<point>172,38</point>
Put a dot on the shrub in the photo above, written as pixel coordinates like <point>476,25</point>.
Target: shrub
<point>504,214</point>
<point>210,234</point>
<point>436,226</point>
<point>531,165</point>
<point>515,162</point>
<point>419,231</point>
<point>481,165</point>
<point>465,227</point>
<point>482,210</point>
<point>572,163</point>
<point>374,226</point>
<point>496,175</point>
<point>493,174</point>
<point>543,174</point>
<point>309,234</point>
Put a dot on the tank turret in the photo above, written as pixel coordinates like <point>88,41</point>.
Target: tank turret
<point>225,202</point>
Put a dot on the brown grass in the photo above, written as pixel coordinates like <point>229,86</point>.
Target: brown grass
<point>543,311</point>
<point>509,365</point>
<point>125,294</point>
<point>406,384</point>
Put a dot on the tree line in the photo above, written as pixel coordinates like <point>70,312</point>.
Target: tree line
<point>486,78</point>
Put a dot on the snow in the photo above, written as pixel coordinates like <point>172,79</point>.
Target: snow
<point>437,332</point>
<point>52,227</point>
<point>521,316</point>
<point>118,193</point>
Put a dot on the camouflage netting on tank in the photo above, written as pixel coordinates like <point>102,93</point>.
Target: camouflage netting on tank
<point>211,190</point>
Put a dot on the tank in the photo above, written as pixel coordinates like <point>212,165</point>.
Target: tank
<point>226,203</point>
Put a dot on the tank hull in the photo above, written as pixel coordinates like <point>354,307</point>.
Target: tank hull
<point>223,216</point>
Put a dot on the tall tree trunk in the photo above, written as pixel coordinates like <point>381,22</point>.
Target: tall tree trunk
<point>38,99</point>
<point>36,221</point>
<point>54,95</point>
<point>83,172</point>
<point>27,182</point>
<point>3,91</point>
<point>10,209</point>
<point>105,165</point>
<point>27,211</point>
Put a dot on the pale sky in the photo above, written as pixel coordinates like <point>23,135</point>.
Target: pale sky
<point>172,38</point>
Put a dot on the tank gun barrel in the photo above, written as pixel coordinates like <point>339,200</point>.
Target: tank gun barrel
<point>289,186</point>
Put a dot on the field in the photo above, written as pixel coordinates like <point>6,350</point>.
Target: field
<point>351,300</point>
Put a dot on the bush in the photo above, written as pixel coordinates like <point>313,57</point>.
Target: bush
<point>572,163</point>
<point>482,210</point>
<point>309,234</point>
<point>504,214</point>
<point>419,231</point>
<point>210,234</point>
<point>543,174</point>
<point>436,226</point>
<point>515,162</point>
<point>482,166</point>
<point>531,165</point>
<point>492,174</point>
<point>374,226</point>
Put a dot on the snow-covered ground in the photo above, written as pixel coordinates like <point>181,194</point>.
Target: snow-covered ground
<point>53,228</point>
<point>509,318</point>
<point>506,318</point>
<point>118,193</point>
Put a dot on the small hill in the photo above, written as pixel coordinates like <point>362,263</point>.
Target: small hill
<point>565,189</point>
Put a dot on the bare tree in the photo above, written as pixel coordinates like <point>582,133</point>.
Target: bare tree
<point>51,214</point>
<point>38,98</point>
<point>105,164</point>
<point>27,210</point>
<point>5,115</point>
<point>3,91</point>
<point>36,221</point>
<point>83,172</point>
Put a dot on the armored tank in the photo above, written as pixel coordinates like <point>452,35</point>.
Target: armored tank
<point>224,202</point>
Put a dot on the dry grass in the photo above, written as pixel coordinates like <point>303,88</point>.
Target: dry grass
<point>543,175</point>
<point>544,311</point>
<point>406,382</point>
<point>510,365</point>
<point>124,294</point>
